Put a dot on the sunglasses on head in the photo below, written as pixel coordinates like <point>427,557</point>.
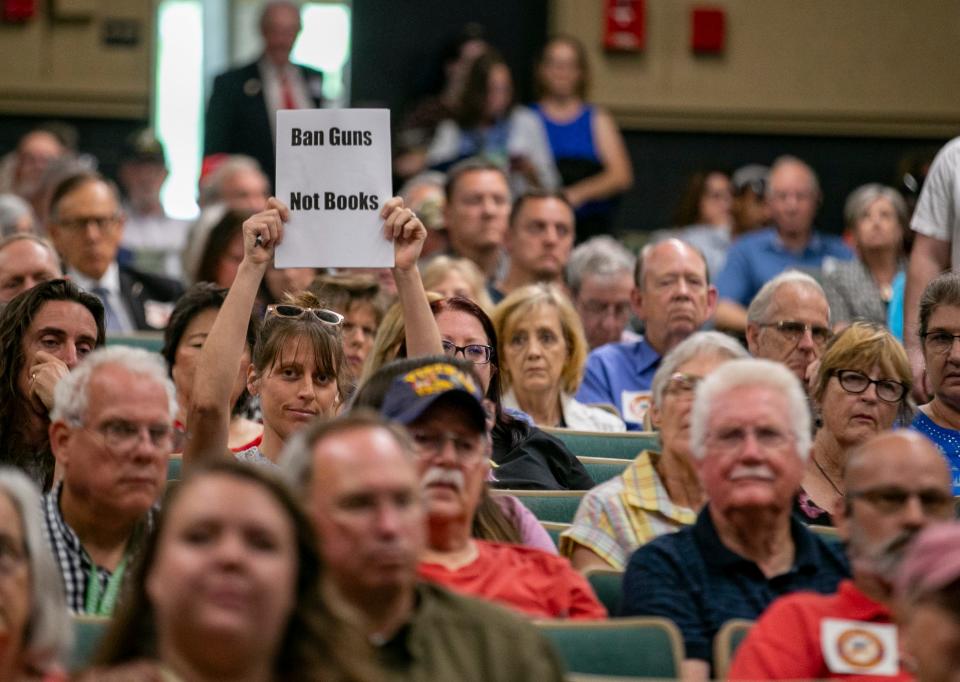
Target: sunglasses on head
<point>296,312</point>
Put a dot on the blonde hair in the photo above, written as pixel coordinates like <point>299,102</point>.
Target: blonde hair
<point>389,339</point>
<point>521,302</point>
<point>437,269</point>
<point>861,346</point>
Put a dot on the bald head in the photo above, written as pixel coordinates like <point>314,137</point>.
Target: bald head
<point>905,451</point>
<point>793,195</point>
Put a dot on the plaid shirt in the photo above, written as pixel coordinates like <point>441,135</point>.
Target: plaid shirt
<point>625,512</point>
<point>75,564</point>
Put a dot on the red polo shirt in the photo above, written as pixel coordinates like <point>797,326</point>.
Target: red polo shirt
<point>784,644</point>
<point>540,585</point>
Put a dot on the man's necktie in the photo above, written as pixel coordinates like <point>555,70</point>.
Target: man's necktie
<point>111,319</point>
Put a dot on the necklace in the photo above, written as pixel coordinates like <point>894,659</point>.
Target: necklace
<point>829,480</point>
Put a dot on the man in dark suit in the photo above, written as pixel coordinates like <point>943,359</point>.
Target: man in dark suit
<point>241,116</point>
<point>86,226</point>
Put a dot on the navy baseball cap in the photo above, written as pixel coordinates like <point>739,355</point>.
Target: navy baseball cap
<point>413,393</point>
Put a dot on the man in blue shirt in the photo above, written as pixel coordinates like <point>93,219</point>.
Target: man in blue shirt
<point>750,436</point>
<point>793,195</point>
<point>673,297</point>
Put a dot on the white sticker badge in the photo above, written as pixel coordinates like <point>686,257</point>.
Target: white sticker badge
<point>634,405</point>
<point>853,646</point>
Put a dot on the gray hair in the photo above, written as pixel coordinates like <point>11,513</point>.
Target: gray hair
<point>862,198</point>
<point>296,458</point>
<point>601,256</point>
<point>700,344</point>
<point>12,210</point>
<point>751,372</point>
<point>789,160</point>
<point>424,179</point>
<point>71,395</point>
<point>211,189</point>
<point>759,310</point>
<point>31,237</point>
<point>49,633</point>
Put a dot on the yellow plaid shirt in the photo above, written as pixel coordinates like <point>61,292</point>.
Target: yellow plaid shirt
<point>625,512</point>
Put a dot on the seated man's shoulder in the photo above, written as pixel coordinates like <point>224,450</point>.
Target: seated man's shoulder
<point>749,241</point>
<point>506,556</point>
<point>675,549</point>
<point>153,285</point>
<point>618,352</point>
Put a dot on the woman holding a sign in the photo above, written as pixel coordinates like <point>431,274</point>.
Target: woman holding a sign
<point>298,364</point>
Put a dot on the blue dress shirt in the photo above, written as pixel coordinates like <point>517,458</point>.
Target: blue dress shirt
<point>757,257</point>
<point>615,368</point>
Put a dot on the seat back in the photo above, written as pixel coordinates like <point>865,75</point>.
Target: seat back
<point>554,530</point>
<point>616,445</point>
<point>558,506</point>
<point>629,647</point>
<point>725,644</point>
<point>608,586</point>
<point>603,468</point>
<point>87,633</point>
<point>175,468</point>
<point>152,341</point>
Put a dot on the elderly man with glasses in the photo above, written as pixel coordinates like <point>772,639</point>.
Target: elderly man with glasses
<point>86,225</point>
<point>111,433</point>
<point>750,437</point>
<point>897,483</point>
<point>788,322</point>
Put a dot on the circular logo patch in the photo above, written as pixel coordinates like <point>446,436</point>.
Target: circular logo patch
<point>860,648</point>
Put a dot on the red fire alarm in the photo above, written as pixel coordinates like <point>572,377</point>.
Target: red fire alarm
<point>17,11</point>
<point>624,25</point>
<point>707,30</point>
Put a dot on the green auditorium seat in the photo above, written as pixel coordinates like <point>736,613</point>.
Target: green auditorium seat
<point>175,468</point>
<point>608,586</point>
<point>558,506</point>
<point>627,647</point>
<point>146,340</point>
<point>730,636</point>
<point>615,445</point>
<point>87,633</point>
<point>604,468</point>
<point>554,530</point>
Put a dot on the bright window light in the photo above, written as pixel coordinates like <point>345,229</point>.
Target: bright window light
<point>324,44</point>
<point>179,105</point>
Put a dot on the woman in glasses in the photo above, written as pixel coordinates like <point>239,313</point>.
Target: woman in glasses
<point>862,387</point>
<point>543,353</point>
<point>939,420</point>
<point>298,367</point>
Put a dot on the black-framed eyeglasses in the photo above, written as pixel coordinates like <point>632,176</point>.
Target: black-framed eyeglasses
<point>296,312</point>
<point>939,343</point>
<point>794,331</point>
<point>890,500</point>
<point>888,390</point>
<point>430,444</point>
<point>477,353</point>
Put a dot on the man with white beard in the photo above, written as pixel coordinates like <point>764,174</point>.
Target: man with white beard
<point>896,484</point>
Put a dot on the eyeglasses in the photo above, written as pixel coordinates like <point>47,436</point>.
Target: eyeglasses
<point>734,438</point>
<point>431,443</point>
<point>681,384</point>
<point>888,390</point>
<point>477,353</point>
<point>295,312</point>
<point>103,223</point>
<point>120,435</point>
<point>939,343</point>
<point>891,500</point>
<point>794,331</point>
<point>601,309</point>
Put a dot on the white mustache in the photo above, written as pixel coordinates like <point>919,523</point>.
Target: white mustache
<point>761,471</point>
<point>452,477</point>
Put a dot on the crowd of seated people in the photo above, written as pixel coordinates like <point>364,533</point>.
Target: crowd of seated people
<point>347,474</point>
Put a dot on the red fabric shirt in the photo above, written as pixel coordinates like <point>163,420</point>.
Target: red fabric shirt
<point>784,644</point>
<point>538,584</point>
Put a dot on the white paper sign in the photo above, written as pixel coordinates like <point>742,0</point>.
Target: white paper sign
<point>855,647</point>
<point>333,173</point>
